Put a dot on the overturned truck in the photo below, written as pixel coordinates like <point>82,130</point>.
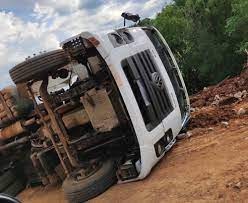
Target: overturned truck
<point>108,107</point>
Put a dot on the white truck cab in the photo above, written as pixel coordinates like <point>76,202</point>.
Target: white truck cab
<point>151,86</point>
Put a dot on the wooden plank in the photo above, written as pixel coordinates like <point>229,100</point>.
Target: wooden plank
<point>6,108</point>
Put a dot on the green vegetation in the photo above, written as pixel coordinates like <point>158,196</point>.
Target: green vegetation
<point>208,38</point>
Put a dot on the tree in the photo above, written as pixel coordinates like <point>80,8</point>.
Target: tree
<point>204,35</point>
<point>237,24</point>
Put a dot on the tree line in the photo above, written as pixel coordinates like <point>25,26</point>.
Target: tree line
<point>208,38</point>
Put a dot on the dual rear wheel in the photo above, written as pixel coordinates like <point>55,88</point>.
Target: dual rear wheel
<point>79,189</point>
<point>10,183</point>
<point>39,66</point>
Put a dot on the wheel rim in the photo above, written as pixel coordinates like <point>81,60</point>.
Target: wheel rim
<point>83,173</point>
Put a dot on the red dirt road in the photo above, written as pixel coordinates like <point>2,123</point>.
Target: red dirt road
<point>210,165</point>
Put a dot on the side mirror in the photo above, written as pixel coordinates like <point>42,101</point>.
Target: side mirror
<point>130,16</point>
<point>8,199</point>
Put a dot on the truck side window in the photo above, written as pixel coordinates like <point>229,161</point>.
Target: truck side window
<point>148,88</point>
<point>169,66</point>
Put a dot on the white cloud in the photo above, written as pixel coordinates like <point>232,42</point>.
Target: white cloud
<point>151,4</point>
<point>9,26</point>
<point>105,16</point>
<point>50,41</point>
<point>43,12</point>
<point>52,21</point>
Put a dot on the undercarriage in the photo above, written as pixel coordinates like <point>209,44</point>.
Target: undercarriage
<point>83,128</point>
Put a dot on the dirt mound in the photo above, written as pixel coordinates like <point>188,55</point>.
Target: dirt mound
<point>228,91</point>
<point>220,103</point>
<point>210,116</point>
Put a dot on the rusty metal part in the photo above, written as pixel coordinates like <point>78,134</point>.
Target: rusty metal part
<point>75,118</point>
<point>72,118</point>
<point>37,110</point>
<point>117,139</point>
<point>45,118</point>
<point>3,114</point>
<point>94,41</point>
<point>53,179</point>
<point>102,114</point>
<point>39,169</point>
<point>14,144</point>
<point>22,91</point>
<point>48,169</point>
<point>29,122</point>
<point>10,102</point>
<point>57,122</point>
<point>1,107</point>
<point>12,130</point>
<point>6,108</point>
<point>94,64</point>
<point>13,108</point>
<point>4,120</point>
<point>65,108</point>
<point>7,96</point>
<point>60,172</point>
<point>74,91</point>
<point>89,99</point>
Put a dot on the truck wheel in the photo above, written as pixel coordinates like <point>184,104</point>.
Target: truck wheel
<point>38,66</point>
<point>6,179</point>
<point>80,190</point>
<point>15,188</point>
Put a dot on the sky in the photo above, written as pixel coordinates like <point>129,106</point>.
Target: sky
<point>28,27</point>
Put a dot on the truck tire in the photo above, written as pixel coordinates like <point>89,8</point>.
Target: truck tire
<point>78,191</point>
<point>15,188</point>
<point>38,66</point>
<point>6,179</point>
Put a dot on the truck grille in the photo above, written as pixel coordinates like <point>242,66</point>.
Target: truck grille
<point>146,73</point>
